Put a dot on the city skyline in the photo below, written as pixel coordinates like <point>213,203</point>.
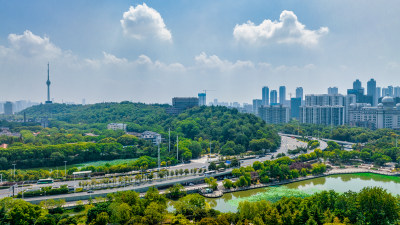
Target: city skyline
<point>103,54</point>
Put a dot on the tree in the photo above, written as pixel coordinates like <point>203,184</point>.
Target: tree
<point>23,213</point>
<point>377,206</point>
<point>101,219</point>
<point>153,195</point>
<point>187,155</point>
<point>227,183</point>
<point>208,221</point>
<point>154,213</point>
<point>189,204</point>
<point>46,220</point>
<point>212,166</point>
<point>212,183</point>
<point>176,191</point>
<point>120,212</point>
<point>127,139</point>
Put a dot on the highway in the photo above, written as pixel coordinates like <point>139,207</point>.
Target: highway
<point>287,143</point>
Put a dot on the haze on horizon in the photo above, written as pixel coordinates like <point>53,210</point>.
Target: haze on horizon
<point>151,51</point>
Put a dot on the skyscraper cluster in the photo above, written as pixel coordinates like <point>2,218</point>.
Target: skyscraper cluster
<point>377,107</point>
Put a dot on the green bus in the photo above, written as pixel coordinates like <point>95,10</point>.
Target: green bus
<point>45,181</point>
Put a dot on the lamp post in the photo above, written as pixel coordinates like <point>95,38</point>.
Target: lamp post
<point>14,171</point>
<point>65,169</point>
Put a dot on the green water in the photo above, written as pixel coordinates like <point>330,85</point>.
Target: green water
<point>338,183</point>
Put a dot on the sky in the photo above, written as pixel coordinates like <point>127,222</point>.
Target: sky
<point>151,51</point>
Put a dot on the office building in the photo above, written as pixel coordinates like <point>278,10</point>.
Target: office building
<point>390,91</point>
<point>378,92</point>
<point>273,97</point>
<point>396,91</point>
<point>274,114</point>
<point>180,104</point>
<point>349,100</point>
<point>371,91</point>
<point>257,103</point>
<point>327,115</point>
<point>8,108</point>
<point>295,104</point>
<point>202,99</point>
<point>116,126</point>
<point>357,85</point>
<point>282,95</point>
<point>324,100</point>
<point>323,109</point>
<point>385,92</point>
<point>333,91</point>
<point>385,115</point>
<point>299,93</point>
<point>247,108</point>
<point>265,95</point>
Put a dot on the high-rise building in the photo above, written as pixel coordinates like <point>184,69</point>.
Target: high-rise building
<point>256,104</point>
<point>48,85</point>
<point>202,99</point>
<point>371,91</point>
<point>333,91</point>
<point>323,109</point>
<point>324,100</point>
<point>265,95</point>
<point>274,114</point>
<point>396,91</point>
<point>326,115</point>
<point>349,101</point>
<point>385,92</point>
<point>378,92</point>
<point>273,97</point>
<point>390,91</point>
<point>295,104</point>
<point>282,95</point>
<point>357,84</point>
<point>8,108</point>
<point>299,93</point>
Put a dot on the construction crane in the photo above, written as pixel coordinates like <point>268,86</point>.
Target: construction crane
<point>205,91</point>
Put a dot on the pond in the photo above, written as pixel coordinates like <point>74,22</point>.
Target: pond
<point>339,183</point>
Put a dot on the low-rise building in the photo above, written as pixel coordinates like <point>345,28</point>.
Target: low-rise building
<point>385,115</point>
<point>116,126</point>
<point>152,136</point>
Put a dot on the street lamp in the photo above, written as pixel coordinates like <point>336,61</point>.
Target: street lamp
<point>14,171</point>
<point>65,169</point>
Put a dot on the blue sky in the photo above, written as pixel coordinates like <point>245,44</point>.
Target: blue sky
<point>161,49</point>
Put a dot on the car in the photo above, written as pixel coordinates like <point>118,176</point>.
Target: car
<point>191,184</point>
<point>90,191</point>
<point>257,157</point>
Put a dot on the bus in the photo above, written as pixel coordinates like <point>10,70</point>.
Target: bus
<point>45,181</point>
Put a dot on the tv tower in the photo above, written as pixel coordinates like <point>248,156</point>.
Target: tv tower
<point>48,84</point>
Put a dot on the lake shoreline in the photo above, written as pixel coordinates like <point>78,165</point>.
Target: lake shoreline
<point>285,182</point>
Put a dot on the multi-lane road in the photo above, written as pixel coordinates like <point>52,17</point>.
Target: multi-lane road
<point>287,143</point>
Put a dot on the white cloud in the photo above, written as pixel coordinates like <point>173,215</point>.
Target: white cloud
<point>112,59</point>
<point>143,22</point>
<point>204,61</point>
<point>30,44</point>
<point>287,30</point>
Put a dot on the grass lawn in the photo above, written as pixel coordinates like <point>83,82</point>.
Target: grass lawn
<point>81,165</point>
